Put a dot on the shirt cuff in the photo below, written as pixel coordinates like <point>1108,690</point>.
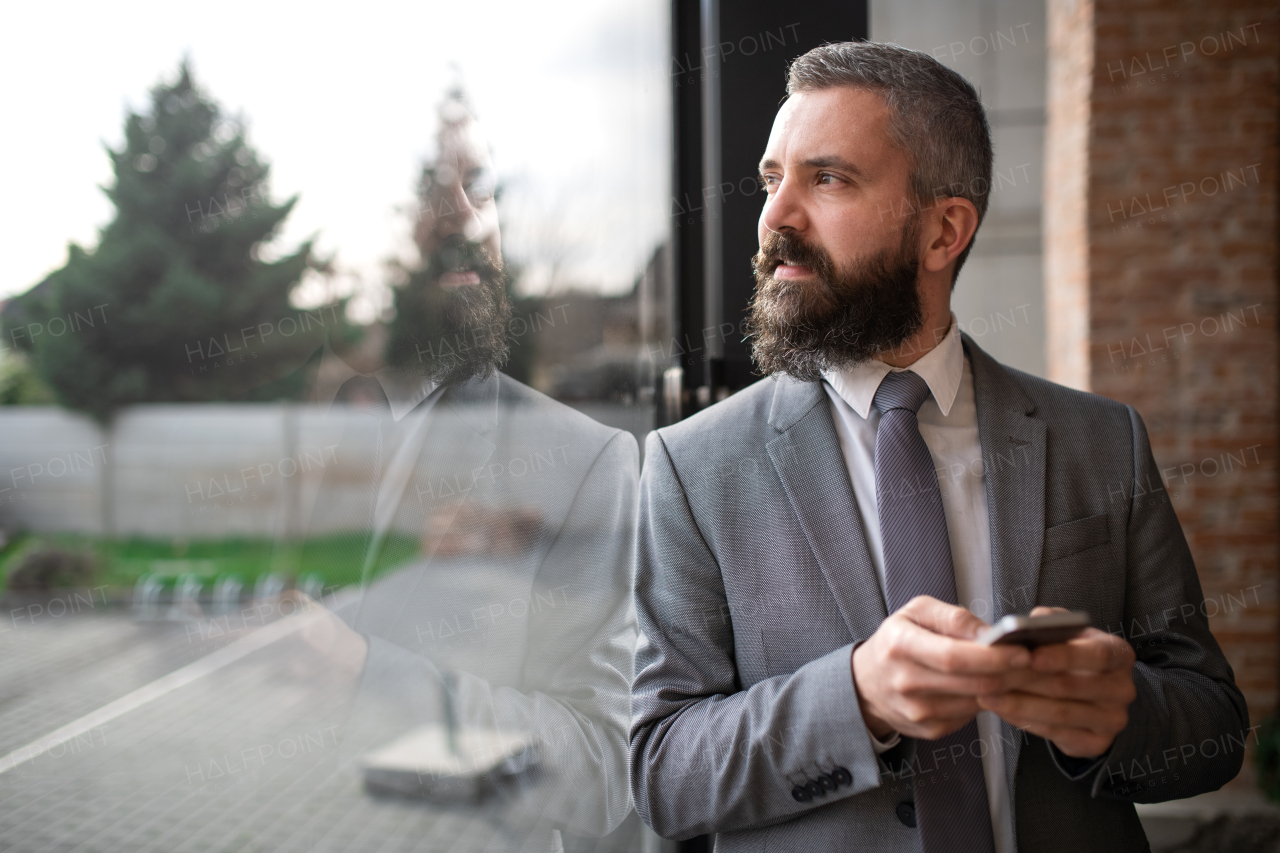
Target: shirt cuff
<point>1074,769</point>
<point>883,746</point>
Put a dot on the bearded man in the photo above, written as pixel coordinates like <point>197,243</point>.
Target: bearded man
<point>818,553</point>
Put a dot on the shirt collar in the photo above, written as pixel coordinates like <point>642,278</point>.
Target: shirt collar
<point>403,392</point>
<point>942,368</point>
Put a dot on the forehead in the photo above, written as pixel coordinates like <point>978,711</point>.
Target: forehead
<point>462,146</point>
<point>841,121</point>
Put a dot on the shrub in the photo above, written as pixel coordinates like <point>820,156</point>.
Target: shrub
<point>46,568</point>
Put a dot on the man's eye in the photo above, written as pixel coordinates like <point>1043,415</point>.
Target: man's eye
<point>767,182</point>
<point>479,192</point>
<point>824,178</point>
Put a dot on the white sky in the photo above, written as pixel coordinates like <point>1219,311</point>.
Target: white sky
<point>341,101</point>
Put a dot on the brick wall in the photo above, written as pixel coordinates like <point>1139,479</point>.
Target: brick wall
<point>1066,191</point>
<point>1179,239</point>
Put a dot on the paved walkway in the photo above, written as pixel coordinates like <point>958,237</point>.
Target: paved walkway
<point>254,756</point>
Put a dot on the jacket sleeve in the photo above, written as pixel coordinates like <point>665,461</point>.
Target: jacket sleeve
<point>707,755</point>
<point>1189,723</point>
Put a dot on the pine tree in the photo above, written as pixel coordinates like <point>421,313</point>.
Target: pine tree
<point>176,304</point>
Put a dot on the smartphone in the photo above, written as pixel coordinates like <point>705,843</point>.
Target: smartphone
<point>1032,631</point>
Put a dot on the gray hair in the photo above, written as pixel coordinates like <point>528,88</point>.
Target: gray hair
<point>937,118</point>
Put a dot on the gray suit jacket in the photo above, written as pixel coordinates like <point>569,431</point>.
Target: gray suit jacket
<point>754,581</point>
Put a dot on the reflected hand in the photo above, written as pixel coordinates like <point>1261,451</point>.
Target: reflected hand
<point>471,530</point>
<point>344,649</point>
<point>1075,694</point>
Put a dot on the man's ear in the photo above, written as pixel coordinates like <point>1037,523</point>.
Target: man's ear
<point>951,224</point>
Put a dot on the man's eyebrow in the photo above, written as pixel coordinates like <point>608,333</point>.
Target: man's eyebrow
<point>828,162</point>
<point>833,162</point>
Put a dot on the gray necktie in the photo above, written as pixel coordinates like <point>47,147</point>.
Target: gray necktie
<point>950,792</point>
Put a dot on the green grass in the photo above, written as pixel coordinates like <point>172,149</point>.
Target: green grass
<point>336,559</point>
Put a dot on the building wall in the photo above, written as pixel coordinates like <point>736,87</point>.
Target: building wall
<point>1169,300</point>
<point>1206,265</point>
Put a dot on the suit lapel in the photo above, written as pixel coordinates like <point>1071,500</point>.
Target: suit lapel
<point>810,463</point>
<point>1013,452</point>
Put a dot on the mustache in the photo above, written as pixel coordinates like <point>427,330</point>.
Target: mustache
<point>457,255</point>
<point>779,247</point>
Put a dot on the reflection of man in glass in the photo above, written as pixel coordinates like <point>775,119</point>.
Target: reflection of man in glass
<point>451,312</point>
<point>490,530</point>
<point>451,317</point>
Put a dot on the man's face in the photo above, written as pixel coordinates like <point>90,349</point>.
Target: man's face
<point>458,204</point>
<point>452,315</point>
<point>838,265</point>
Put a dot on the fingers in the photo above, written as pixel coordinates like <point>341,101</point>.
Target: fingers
<point>299,598</point>
<point>1037,714</point>
<point>1093,651</point>
<point>942,710</point>
<point>939,617</point>
<point>1077,743</point>
<point>914,642</point>
<point>921,714</point>
<point>1081,702</point>
<point>1110,688</point>
<point>913,679</point>
<point>892,696</point>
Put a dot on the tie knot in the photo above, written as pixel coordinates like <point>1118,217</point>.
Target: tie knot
<point>901,390</point>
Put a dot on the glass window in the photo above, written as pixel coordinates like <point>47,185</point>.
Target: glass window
<point>318,444</point>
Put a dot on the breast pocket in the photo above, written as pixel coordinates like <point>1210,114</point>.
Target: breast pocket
<point>1063,540</point>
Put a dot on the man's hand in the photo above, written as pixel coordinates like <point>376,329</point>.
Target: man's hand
<point>342,649</point>
<point>920,673</point>
<point>1075,694</point>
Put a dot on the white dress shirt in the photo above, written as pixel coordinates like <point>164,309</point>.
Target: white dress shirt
<point>949,425</point>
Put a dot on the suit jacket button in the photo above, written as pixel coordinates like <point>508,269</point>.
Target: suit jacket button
<point>815,788</point>
<point>842,776</point>
<point>801,794</point>
<point>827,781</point>
<point>907,814</point>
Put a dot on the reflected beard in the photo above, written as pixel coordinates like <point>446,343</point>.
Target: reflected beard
<point>836,318</point>
<point>455,334</point>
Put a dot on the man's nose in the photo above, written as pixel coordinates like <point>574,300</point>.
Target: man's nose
<point>785,208</point>
<point>455,215</point>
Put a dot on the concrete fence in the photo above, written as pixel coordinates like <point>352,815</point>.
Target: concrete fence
<point>193,470</point>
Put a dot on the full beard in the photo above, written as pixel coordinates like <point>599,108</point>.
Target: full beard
<point>455,334</point>
<point>836,318</point>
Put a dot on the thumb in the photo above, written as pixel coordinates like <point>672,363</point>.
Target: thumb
<point>940,617</point>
